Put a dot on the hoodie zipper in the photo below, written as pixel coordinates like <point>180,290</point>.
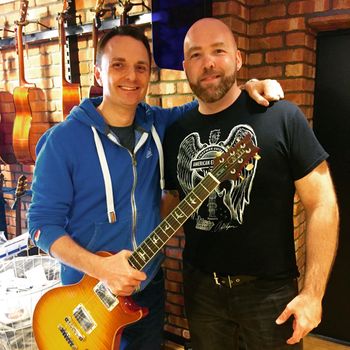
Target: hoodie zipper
<point>139,144</point>
<point>133,201</point>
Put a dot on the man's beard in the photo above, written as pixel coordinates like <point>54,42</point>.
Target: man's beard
<point>213,93</point>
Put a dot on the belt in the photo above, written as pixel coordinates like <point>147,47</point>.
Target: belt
<point>230,281</point>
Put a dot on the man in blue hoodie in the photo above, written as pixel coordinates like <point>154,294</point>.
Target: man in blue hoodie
<point>97,184</point>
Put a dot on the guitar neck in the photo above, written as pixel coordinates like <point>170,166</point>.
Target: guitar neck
<point>226,166</point>
<point>170,225</point>
<point>2,207</point>
<point>18,217</point>
<point>19,39</point>
<point>94,43</point>
<point>62,35</point>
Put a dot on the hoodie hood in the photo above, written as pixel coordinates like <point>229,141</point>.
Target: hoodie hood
<point>87,114</point>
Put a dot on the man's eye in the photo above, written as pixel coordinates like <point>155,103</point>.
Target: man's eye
<point>141,69</point>
<point>195,55</point>
<point>117,65</point>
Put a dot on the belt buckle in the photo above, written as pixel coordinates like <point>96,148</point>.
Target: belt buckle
<point>216,279</point>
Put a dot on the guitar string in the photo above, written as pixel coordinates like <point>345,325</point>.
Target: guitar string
<point>246,141</point>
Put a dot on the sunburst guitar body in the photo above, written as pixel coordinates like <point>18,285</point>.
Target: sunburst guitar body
<point>83,316</point>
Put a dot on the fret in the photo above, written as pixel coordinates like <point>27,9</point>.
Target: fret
<point>136,262</point>
<point>166,228</point>
<point>141,253</point>
<point>186,206</point>
<point>146,248</point>
<point>151,243</point>
<point>157,236</point>
<point>179,216</point>
<point>133,262</point>
<point>175,225</point>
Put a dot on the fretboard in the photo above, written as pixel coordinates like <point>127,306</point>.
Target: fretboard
<point>228,166</point>
<point>169,226</point>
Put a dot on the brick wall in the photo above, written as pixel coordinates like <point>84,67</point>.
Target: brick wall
<point>277,39</point>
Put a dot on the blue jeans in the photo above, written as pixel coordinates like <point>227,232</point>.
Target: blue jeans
<point>147,333</point>
<point>242,317</point>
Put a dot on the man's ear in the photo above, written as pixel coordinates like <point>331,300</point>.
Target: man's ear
<point>184,65</point>
<point>97,71</point>
<point>238,60</point>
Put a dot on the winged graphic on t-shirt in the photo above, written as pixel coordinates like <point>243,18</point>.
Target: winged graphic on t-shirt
<point>225,207</point>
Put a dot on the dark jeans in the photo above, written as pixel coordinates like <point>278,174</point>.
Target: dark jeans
<point>241,317</point>
<point>147,333</point>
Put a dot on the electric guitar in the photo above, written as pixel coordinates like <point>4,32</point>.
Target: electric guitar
<point>96,89</point>
<point>19,193</point>
<point>70,91</point>
<point>87,315</point>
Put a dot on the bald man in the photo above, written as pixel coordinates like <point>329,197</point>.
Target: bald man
<point>239,259</point>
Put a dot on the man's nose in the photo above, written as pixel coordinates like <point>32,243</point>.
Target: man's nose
<point>209,62</point>
<point>131,73</point>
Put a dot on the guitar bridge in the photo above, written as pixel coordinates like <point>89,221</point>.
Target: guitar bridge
<point>67,337</point>
<point>74,329</point>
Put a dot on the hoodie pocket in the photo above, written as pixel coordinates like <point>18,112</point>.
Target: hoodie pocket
<point>110,237</point>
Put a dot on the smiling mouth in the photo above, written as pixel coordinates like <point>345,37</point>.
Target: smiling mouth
<point>128,88</point>
<point>209,78</point>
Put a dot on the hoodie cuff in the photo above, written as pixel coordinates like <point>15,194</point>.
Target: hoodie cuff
<point>45,236</point>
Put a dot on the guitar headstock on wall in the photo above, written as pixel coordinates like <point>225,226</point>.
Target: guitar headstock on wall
<point>21,189</point>
<point>23,12</point>
<point>2,178</point>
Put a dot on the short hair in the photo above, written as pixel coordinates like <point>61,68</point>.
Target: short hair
<point>127,30</point>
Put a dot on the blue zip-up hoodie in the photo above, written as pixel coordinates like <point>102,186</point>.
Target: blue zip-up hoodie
<point>69,192</point>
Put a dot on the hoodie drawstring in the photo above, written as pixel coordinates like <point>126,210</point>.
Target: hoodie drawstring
<point>106,177</point>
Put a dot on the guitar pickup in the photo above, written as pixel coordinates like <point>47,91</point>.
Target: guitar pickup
<point>84,319</point>
<point>108,299</point>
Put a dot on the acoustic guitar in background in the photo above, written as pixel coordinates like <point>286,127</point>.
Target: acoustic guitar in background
<point>70,91</point>
<point>86,315</point>
<point>3,226</point>
<point>7,117</point>
<point>31,119</point>
<point>21,189</point>
<point>96,89</point>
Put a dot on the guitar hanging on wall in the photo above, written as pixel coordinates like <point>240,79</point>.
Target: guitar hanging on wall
<point>31,119</point>
<point>96,89</point>
<point>70,91</point>
<point>87,315</point>
<point>17,204</point>
<point>3,226</point>
<point>7,116</point>
<point>23,119</point>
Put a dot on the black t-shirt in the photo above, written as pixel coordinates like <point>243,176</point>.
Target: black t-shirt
<point>245,226</point>
<point>126,136</point>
